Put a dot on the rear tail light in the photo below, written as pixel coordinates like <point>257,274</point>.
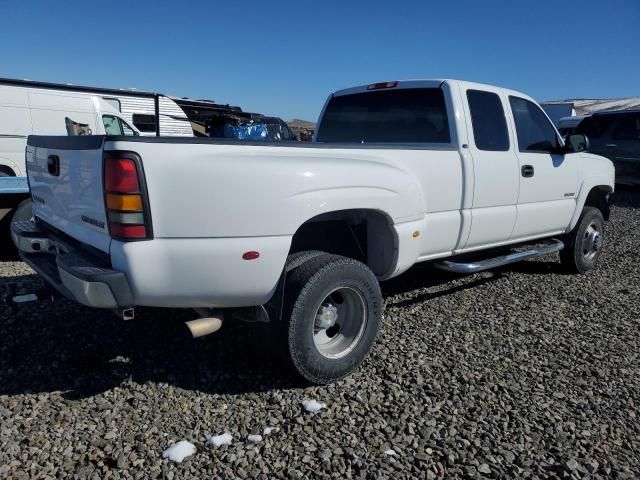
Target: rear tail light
<point>127,213</point>
<point>121,175</point>
<point>124,203</point>
<point>127,231</point>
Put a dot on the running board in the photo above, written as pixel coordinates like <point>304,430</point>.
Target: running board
<point>480,266</point>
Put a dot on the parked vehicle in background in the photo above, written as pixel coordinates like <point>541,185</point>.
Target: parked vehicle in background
<point>297,236</point>
<point>558,110</point>
<point>138,108</point>
<point>257,127</point>
<point>581,107</point>
<point>33,111</point>
<point>616,135</point>
<point>567,125</point>
<point>214,120</point>
<point>26,111</point>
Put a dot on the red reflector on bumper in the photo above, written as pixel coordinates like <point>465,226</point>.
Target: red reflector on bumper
<point>128,231</point>
<point>252,255</point>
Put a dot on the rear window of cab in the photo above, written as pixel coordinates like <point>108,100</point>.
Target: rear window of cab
<point>409,115</point>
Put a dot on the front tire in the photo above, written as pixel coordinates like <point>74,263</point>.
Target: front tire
<point>332,311</point>
<point>583,246</point>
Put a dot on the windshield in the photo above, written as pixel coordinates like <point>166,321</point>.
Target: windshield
<point>411,115</point>
<point>116,126</point>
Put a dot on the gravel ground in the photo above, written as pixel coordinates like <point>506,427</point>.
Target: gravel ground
<point>524,372</point>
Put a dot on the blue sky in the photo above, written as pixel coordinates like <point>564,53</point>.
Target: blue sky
<point>284,57</point>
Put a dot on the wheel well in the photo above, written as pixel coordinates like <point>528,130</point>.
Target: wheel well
<point>598,198</point>
<point>365,235</point>
<point>6,171</point>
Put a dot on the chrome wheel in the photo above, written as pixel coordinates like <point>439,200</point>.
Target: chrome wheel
<point>592,241</point>
<point>340,322</point>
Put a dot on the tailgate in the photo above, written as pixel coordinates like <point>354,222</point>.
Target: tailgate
<point>65,176</point>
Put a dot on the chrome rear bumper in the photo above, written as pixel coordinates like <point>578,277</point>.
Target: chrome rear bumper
<point>75,274</point>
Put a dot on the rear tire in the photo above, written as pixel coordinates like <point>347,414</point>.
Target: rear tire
<point>583,246</point>
<point>331,316</point>
<point>23,212</point>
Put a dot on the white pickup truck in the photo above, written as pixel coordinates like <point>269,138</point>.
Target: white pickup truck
<point>299,235</point>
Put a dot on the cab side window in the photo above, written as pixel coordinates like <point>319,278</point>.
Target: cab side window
<point>116,126</point>
<point>627,129</point>
<point>488,121</point>
<point>535,131</point>
<point>595,127</point>
<point>127,130</point>
<point>111,125</point>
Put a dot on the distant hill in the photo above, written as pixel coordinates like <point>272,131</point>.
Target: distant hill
<point>301,123</point>
<point>302,128</point>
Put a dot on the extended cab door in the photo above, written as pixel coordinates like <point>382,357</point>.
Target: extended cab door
<point>548,178</point>
<point>495,167</point>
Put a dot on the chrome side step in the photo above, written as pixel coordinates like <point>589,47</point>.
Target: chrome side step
<point>479,266</point>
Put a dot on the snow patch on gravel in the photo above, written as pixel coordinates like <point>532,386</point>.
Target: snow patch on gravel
<point>219,440</point>
<point>391,452</point>
<point>255,438</point>
<point>179,451</point>
<point>269,430</point>
<point>313,406</point>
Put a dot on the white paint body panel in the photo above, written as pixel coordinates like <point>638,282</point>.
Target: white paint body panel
<point>211,271</point>
<point>212,201</point>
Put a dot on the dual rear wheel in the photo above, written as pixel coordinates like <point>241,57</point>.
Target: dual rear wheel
<point>331,315</point>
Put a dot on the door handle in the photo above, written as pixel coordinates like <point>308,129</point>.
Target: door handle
<point>527,171</point>
<point>611,145</point>
<point>53,165</point>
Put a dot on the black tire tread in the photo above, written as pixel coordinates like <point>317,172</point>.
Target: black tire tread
<point>569,258</point>
<point>310,267</point>
<point>23,212</point>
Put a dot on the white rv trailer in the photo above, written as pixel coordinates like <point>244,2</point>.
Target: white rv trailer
<point>140,112</point>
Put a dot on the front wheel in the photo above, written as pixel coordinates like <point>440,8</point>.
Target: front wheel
<point>333,309</point>
<point>583,246</point>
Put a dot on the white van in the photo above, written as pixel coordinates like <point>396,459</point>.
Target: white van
<point>31,111</point>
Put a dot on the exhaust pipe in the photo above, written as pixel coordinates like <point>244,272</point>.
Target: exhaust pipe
<point>205,326</point>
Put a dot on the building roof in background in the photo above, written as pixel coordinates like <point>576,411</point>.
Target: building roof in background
<point>585,106</point>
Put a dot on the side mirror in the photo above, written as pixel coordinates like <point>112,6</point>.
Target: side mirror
<point>576,143</point>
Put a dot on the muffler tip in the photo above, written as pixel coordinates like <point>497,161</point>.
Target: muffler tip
<point>204,326</point>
